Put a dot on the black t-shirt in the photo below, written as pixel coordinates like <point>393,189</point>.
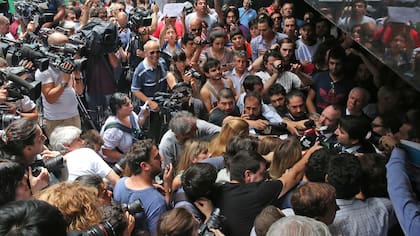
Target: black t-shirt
<point>241,203</point>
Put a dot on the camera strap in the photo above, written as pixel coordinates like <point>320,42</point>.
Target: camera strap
<point>133,130</point>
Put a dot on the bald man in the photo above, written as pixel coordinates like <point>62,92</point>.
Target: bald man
<point>149,78</point>
<point>123,32</point>
<point>4,28</point>
<point>59,91</point>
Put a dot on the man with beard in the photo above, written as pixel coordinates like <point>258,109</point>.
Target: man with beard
<point>145,163</point>
<point>330,87</point>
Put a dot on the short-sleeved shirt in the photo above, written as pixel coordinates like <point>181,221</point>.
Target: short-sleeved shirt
<point>85,161</point>
<point>116,138</point>
<point>149,80</point>
<point>247,16</point>
<point>288,80</point>
<point>66,105</point>
<point>329,92</point>
<point>259,45</point>
<point>153,202</point>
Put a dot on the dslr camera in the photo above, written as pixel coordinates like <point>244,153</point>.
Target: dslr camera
<point>214,222</point>
<point>53,164</point>
<point>107,228</point>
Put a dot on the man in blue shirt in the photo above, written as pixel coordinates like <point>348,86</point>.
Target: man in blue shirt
<point>246,13</point>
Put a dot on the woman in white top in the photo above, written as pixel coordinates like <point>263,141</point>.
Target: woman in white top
<point>121,128</point>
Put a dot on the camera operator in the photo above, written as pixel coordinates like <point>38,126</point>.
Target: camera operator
<point>140,28</point>
<point>59,91</point>
<point>58,7</point>
<point>24,107</point>
<point>102,61</point>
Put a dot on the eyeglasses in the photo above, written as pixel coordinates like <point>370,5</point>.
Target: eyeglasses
<point>194,30</point>
<point>154,52</point>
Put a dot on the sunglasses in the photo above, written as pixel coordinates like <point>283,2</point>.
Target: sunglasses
<point>194,30</point>
<point>276,18</point>
<point>154,52</point>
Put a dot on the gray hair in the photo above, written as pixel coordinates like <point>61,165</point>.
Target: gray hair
<point>298,226</point>
<point>365,93</point>
<point>182,122</point>
<point>62,136</point>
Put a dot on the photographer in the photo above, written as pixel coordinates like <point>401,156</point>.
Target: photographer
<point>141,26</point>
<point>59,91</point>
<point>23,141</point>
<point>58,8</point>
<point>181,72</point>
<point>275,71</point>
<point>23,107</point>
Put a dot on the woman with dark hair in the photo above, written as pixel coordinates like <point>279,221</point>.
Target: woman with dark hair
<point>121,128</point>
<point>14,185</point>
<point>23,141</point>
<point>180,72</point>
<point>231,15</point>
<point>217,50</point>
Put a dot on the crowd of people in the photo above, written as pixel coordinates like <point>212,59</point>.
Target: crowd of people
<point>222,118</point>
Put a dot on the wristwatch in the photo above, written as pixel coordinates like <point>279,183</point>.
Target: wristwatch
<point>64,84</point>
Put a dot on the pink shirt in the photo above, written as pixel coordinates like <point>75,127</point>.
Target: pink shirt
<point>161,25</point>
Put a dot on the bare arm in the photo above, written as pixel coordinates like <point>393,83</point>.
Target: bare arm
<point>153,26</point>
<point>295,174</point>
<point>206,98</point>
<point>112,177</point>
<point>310,101</point>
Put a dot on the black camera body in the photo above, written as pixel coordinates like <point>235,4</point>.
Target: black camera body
<point>214,222</point>
<point>53,164</point>
<point>194,73</point>
<point>106,228</point>
<point>133,207</point>
<point>30,10</point>
<point>202,42</point>
<point>283,67</point>
<point>139,17</point>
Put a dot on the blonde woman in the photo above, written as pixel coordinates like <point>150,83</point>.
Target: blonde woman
<point>231,128</point>
<point>194,151</point>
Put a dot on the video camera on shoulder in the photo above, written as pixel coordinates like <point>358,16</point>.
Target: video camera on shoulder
<point>34,10</point>
<point>139,17</point>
